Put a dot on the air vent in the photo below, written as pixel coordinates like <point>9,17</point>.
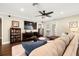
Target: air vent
<point>35,4</point>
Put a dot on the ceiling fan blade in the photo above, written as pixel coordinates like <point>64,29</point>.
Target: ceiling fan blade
<point>50,12</point>
<point>41,12</point>
<point>38,15</point>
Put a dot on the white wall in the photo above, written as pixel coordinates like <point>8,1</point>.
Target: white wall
<point>6,25</point>
<point>62,25</point>
<point>0,29</point>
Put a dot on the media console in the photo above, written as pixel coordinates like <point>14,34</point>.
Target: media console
<point>28,36</point>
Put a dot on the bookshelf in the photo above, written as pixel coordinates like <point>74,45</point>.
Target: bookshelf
<point>15,35</point>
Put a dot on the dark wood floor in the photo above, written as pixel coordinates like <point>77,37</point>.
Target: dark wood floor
<point>0,50</point>
<point>6,50</point>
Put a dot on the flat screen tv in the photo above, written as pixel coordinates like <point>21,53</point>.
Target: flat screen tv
<point>30,25</point>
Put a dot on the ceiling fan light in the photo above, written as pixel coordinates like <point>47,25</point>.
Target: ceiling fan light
<point>43,17</point>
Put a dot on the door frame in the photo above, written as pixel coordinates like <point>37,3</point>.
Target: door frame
<point>1,32</point>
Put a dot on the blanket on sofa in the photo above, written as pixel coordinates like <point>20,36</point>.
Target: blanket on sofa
<point>29,46</point>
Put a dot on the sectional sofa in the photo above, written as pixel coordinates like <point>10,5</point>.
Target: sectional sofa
<point>66,45</point>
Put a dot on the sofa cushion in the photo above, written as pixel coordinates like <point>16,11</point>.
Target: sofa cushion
<point>48,49</point>
<point>60,45</point>
<point>71,35</point>
<point>63,42</point>
<point>29,46</point>
<point>72,48</point>
<point>65,39</point>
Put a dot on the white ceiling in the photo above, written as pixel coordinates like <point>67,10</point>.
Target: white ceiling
<point>60,9</point>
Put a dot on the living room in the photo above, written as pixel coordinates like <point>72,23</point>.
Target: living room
<point>44,20</point>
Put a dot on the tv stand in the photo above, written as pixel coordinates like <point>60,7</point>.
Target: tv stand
<point>30,36</point>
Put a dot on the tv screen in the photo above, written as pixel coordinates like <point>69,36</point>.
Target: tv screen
<point>30,25</point>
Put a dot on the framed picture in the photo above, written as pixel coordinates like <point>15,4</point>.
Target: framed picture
<point>15,23</point>
<point>73,24</point>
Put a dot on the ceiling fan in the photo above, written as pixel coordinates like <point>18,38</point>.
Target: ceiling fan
<point>44,13</point>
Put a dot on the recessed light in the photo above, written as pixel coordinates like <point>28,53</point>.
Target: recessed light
<point>61,12</point>
<point>22,9</point>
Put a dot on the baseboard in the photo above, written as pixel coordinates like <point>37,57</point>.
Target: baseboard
<point>5,42</point>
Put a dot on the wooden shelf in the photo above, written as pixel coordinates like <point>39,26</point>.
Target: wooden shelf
<point>15,35</point>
